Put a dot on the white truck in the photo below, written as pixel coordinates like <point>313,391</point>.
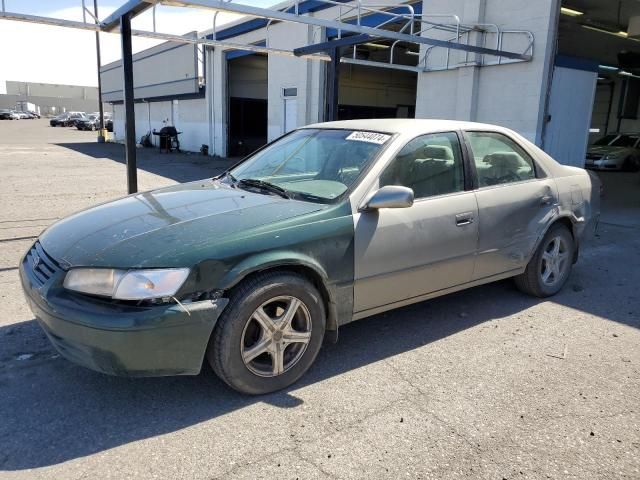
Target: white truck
<point>24,106</point>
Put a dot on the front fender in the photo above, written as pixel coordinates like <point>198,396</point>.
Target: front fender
<point>282,259</point>
<point>268,260</point>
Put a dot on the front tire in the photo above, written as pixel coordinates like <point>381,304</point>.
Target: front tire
<point>550,266</point>
<point>269,334</point>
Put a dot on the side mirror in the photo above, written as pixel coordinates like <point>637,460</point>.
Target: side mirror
<point>390,196</point>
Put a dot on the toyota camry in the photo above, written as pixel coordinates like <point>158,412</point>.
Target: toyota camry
<point>250,271</point>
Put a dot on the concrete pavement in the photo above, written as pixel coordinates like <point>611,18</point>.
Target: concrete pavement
<point>486,383</point>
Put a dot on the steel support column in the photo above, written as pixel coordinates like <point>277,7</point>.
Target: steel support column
<point>100,107</point>
<point>129,109</point>
<point>333,77</point>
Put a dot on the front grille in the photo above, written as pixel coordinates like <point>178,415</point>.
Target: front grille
<point>40,264</point>
<point>594,156</point>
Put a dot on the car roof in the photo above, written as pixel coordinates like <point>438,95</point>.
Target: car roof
<point>406,125</point>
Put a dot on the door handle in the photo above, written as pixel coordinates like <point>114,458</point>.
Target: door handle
<point>464,219</point>
<point>546,200</point>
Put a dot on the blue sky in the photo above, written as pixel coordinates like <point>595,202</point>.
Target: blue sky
<point>63,55</point>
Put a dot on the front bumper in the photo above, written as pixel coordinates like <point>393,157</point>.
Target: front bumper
<point>120,339</point>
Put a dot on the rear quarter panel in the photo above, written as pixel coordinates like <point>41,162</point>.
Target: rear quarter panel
<point>579,199</point>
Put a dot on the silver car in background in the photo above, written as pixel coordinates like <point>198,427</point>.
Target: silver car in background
<point>615,151</point>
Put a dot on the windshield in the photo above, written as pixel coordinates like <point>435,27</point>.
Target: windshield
<point>313,164</point>
<point>624,141</point>
<point>606,140</point>
<point>615,140</point>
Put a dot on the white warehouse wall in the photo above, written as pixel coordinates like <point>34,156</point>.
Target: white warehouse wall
<point>509,95</point>
<point>289,72</point>
<point>188,116</point>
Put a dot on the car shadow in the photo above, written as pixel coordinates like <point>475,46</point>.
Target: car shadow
<point>55,411</point>
<point>181,167</point>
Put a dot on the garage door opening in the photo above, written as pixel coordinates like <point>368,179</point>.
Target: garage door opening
<point>374,92</point>
<point>599,127</point>
<point>247,87</point>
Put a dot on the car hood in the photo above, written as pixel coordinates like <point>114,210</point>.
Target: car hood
<point>157,228</point>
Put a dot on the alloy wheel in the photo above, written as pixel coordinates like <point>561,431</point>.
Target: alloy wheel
<point>276,336</point>
<point>555,260</point>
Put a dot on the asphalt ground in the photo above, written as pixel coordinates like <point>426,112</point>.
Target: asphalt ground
<point>485,383</point>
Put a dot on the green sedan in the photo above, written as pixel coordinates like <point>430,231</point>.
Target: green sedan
<point>331,223</point>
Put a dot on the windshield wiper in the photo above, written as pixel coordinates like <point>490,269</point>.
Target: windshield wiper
<point>309,196</point>
<point>261,184</point>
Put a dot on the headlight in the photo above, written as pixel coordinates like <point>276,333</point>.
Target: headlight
<point>612,156</point>
<point>126,284</point>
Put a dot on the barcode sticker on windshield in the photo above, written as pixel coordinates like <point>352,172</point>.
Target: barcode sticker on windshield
<point>371,137</point>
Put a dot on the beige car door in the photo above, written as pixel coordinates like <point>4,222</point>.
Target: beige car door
<point>403,253</point>
<point>515,202</point>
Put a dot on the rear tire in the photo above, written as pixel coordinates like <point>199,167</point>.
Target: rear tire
<point>269,334</point>
<point>550,266</point>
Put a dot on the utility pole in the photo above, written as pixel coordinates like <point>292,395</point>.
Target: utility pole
<point>100,108</point>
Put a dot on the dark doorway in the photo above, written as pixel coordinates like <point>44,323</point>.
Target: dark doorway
<point>247,125</point>
<point>247,102</point>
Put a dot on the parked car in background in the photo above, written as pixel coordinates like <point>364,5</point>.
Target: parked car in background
<point>6,114</point>
<point>35,114</point>
<point>330,223</point>
<point>91,122</point>
<point>67,119</point>
<point>75,117</point>
<point>615,151</point>
<point>59,120</point>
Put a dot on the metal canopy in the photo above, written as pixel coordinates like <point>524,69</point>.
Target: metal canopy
<point>132,7</point>
<point>248,10</point>
<point>353,17</point>
<point>331,44</point>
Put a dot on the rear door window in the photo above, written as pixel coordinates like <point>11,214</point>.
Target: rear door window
<point>499,160</point>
